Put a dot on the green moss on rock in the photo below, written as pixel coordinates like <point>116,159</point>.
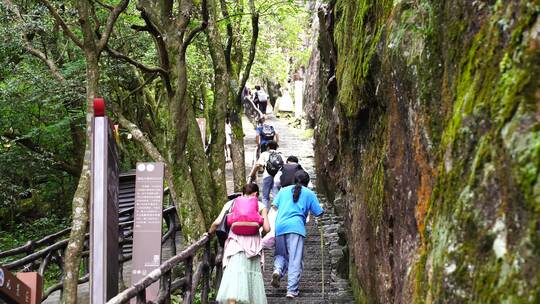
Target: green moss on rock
<point>448,88</point>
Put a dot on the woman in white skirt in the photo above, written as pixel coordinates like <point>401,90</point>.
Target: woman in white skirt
<point>242,280</point>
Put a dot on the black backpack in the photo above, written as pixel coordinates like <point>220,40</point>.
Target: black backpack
<point>274,163</point>
<point>287,174</point>
<point>267,132</point>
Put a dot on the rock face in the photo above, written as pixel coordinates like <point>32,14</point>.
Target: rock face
<point>427,118</point>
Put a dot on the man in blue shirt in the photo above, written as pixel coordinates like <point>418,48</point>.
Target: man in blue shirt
<point>294,204</point>
<point>265,133</point>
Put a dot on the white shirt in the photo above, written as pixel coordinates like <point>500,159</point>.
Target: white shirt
<point>263,159</point>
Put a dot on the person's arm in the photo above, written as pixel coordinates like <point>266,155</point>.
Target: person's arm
<point>277,183</point>
<point>266,223</point>
<point>315,207</point>
<point>258,135</point>
<point>260,163</point>
<point>254,170</point>
<point>277,137</point>
<point>218,220</point>
<point>276,201</point>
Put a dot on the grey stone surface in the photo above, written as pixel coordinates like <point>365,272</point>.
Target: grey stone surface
<point>317,285</point>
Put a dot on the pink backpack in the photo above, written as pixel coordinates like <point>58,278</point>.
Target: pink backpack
<point>244,217</point>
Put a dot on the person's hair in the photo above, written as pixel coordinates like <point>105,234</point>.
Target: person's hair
<point>257,87</point>
<point>272,144</point>
<point>261,120</point>
<point>301,178</point>
<point>292,159</point>
<point>250,189</point>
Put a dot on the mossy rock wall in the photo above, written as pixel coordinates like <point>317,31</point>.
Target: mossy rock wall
<point>428,130</point>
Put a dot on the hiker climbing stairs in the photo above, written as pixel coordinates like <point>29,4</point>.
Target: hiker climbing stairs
<point>319,282</point>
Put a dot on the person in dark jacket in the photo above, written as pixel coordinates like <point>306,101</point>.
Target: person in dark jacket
<point>285,176</point>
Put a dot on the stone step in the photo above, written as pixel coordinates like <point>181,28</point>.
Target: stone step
<point>312,277</point>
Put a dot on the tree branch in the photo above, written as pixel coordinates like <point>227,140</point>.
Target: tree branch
<point>58,163</point>
<point>200,28</point>
<point>62,23</point>
<point>119,55</point>
<point>228,48</point>
<point>147,145</point>
<point>97,24</point>
<point>160,45</point>
<point>137,89</point>
<point>113,16</point>
<point>109,7</point>
<point>28,45</point>
<point>252,50</point>
<point>37,53</point>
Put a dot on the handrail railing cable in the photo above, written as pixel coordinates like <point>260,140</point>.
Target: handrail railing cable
<point>138,290</point>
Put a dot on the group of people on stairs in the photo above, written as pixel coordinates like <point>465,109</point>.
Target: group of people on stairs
<point>293,201</point>
<point>259,97</point>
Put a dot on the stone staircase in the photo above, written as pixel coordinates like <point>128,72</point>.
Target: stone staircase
<point>316,284</point>
<point>320,282</point>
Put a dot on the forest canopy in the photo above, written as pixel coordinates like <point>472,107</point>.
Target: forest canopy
<point>159,66</point>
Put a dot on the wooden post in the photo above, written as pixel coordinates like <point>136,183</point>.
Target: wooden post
<point>219,268</point>
<point>165,290</point>
<point>206,274</point>
<point>173,224</point>
<point>188,296</point>
<point>141,297</point>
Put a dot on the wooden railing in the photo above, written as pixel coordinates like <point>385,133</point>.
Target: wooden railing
<point>187,284</point>
<point>210,262</point>
<point>40,255</point>
<point>252,111</point>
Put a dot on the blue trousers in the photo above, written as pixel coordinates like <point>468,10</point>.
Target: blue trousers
<point>267,184</point>
<point>289,257</point>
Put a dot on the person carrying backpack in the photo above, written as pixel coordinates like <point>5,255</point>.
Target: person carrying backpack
<point>272,162</point>
<point>265,133</point>
<point>293,203</point>
<point>262,99</point>
<point>285,176</point>
<point>242,280</point>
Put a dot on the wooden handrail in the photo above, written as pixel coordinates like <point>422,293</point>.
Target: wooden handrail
<point>156,274</point>
<point>45,254</point>
<point>30,245</point>
<point>255,107</point>
<point>34,256</point>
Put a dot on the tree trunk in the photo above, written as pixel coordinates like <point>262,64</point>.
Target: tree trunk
<point>221,96</point>
<point>80,199</point>
<point>189,211</point>
<point>238,155</point>
<point>234,61</point>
